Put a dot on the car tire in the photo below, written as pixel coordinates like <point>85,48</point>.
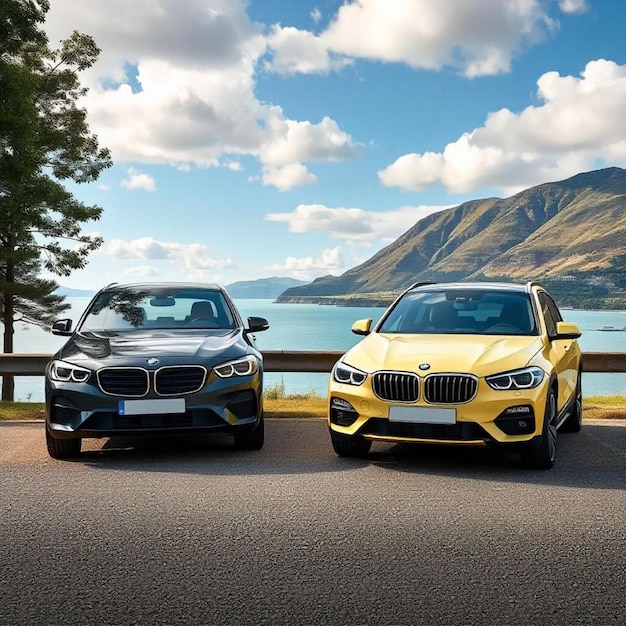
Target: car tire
<point>251,438</point>
<point>62,448</point>
<point>353,447</point>
<point>574,421</point>
<point>541,453</point>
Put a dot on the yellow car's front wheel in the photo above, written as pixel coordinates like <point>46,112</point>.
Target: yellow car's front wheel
<point>350,446</point>
<point>541,452</point>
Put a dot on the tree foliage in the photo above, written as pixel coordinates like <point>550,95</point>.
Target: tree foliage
<point>44,141</point>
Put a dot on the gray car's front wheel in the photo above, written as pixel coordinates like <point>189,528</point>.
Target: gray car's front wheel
<point>251,439</point>
<point>541,453</point>
<point>62,448</point>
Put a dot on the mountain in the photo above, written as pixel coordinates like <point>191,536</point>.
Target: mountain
<point>574,229</point>
<point>264,288</point>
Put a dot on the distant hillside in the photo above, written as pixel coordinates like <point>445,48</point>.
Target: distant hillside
<point>264,288</point>
<point>569,230</point>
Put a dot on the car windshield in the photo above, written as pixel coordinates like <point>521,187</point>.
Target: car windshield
<point>130,309</point>
<point>457,311</point>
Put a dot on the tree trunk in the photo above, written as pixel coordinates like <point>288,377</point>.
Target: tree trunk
<point>8,381</point>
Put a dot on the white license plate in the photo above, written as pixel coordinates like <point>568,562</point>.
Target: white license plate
<point>422,415</point>
<point>151,407</point>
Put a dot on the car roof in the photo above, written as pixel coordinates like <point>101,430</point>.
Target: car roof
<point>165,285</point>
<point>478,286</point>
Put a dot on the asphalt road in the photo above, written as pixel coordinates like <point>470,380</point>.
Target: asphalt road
<point>197,533</point>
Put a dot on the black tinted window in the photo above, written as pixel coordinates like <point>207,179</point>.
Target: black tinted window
<point>125,309</point>
<point>462,312</point>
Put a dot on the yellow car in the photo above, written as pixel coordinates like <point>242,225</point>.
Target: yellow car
<point>461,363</point>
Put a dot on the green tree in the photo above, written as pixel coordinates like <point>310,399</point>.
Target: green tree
<point>44,140</point>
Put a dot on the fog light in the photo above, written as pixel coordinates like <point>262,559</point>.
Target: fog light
<point>342,413</point>
<point>517,420</point>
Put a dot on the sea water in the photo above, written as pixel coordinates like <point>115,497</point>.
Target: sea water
<point>316,327</point>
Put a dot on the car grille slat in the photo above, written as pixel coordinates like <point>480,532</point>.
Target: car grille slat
<point>396,386</point>
<point>450,388</point>
<point>129,382</point>
<point>178,380</point>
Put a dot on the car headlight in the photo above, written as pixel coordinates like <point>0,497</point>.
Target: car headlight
<point>343,373</point>
<point>63,372</point>
<point>526,378</point>
<point>241,367</point>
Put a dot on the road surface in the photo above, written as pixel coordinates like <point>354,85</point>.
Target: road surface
<point>194,532</point>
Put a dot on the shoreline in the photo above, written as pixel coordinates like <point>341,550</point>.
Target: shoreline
<point>384,300</point>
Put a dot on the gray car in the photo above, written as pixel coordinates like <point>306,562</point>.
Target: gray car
<point>155,358</point>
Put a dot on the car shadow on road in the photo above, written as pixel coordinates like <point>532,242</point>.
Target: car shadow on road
<point>594,458</point>
<point>291,447</point>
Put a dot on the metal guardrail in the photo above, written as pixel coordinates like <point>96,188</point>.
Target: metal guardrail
<point>309,361</point>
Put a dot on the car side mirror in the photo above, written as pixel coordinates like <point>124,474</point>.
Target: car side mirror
<point>257,324</point>
<point>567,330</point>
<point>362,327</point>
<point>62,327</point>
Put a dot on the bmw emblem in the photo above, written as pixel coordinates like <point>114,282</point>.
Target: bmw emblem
<point>424,366</point>
<point>152,361</point>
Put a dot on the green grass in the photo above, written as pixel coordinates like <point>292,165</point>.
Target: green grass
<point>278,404</point>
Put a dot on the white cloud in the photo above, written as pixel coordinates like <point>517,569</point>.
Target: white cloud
<point>477,37</point>
<point>190,102</point>
<point>233,166</point>
<point>140,272</point>
<point>139,180</point>
<point>284,178</point>
<point>353,224</point>
<point>300,51</point>
<point>330,260</point>
<point>580,122</point>
<point>192,256</point>
<point>573,6</point>
<point>291,142</point>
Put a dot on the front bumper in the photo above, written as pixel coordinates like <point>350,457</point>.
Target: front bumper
<point>502,417</point>
<point>82,410</point>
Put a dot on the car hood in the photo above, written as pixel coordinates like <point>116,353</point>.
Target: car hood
<point>190,345</point>
<point>481,355</point>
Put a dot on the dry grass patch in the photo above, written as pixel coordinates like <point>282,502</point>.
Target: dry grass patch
<point>22,411</point>
<point>604,407</point>
<point>295,406</point>
<point>278,404</point>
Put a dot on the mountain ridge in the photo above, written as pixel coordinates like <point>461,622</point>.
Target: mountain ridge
<point>551,231</point>
<point>262,288</point>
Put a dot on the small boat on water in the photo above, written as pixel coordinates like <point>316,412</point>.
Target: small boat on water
<point>609,328</point>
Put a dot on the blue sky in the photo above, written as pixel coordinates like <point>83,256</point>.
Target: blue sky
<point>298,138</point>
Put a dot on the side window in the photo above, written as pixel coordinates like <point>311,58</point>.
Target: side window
<point>550,313</point>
